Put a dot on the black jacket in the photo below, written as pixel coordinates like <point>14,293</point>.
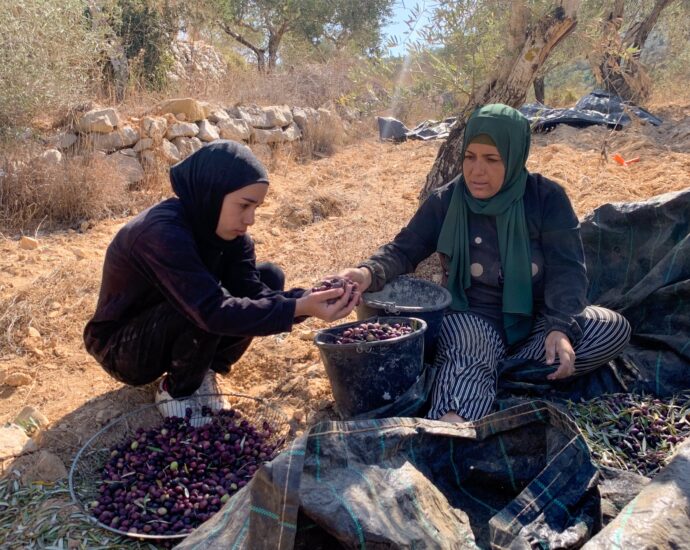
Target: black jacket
<point>170,253</point>
<point>560,294</point>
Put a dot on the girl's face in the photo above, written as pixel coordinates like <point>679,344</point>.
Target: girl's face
<point>483,170</point>
<point>237,212</point>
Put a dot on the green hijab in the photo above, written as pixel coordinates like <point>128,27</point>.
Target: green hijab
<point>510,131</point>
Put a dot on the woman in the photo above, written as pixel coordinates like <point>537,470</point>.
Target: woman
<point>181,293</point>
<point>513,260</point>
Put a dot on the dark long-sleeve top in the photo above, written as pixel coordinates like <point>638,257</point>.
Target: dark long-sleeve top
<point>559,279</point>
<point>157,257</point>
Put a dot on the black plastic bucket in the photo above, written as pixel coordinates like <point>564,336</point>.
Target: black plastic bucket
<point>367,375</point>
<point>410,297</point>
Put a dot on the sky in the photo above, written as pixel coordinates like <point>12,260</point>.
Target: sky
<point>402,11</point>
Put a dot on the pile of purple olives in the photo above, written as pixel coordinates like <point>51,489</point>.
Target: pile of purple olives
<point>333,282</point>
<point>373,332</point>
<point>170,479</point>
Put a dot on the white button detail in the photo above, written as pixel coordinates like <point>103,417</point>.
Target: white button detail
<point>476,270</point>
<point>478,240</point>
<point>535,269</point>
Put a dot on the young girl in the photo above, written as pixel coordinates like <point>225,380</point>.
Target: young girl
<point>182,295</point>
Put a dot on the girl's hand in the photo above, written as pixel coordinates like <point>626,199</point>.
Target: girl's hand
<point>558,344</point>
<point>315,304</point>
<point>359,275</point>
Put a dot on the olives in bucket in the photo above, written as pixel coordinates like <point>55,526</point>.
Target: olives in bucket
<point>373,332</point>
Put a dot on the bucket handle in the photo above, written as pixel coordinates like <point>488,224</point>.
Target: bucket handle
<point>360,348</point>
<point>391,307</point>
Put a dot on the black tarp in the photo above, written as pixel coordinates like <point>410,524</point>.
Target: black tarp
<point>520,478</point>
<point>595,108</point>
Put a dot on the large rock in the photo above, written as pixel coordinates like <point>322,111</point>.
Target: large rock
<point>278,115</point>
<point>217,115</point>
<point>169,152</point>
<point>62,141</point>
<point>181,129</point>
<point>14,441</point>
<point>234,128</point>
<point>47,467</point>
<point>305,118</point>
<point>292,132</point>
<point>127,167</point>
<point>143,144</point>
<point>119,139</point>
<point>253,115</point>
<point>100,121</point>
<point>274,135</point>
<point>153,127</point>
<point>207,131</point>
<point>192,109</point>
<point>187,145</point>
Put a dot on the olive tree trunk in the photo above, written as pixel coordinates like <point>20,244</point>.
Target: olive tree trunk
<point>531,44</point>
<point>617,66</point>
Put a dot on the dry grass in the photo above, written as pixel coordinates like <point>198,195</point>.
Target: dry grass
<point>39,193</point>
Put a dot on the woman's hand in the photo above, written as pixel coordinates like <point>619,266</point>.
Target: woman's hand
<point>315,304</point>
<point>558,344</point>
<point>359,275</point>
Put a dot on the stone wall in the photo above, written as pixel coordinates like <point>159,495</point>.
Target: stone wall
<point>178,127</point>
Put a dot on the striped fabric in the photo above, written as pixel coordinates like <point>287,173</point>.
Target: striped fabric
<point>469,350</point>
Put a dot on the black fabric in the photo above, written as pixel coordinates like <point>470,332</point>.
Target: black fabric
<point>521,478</point>
<point>171,254</point>
<point>595,108</point>
<point>160,340</point>
<point>202,180</point>
<point>553,228</point>
<point>638,261</point>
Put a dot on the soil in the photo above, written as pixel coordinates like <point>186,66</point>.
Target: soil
<point>319,217</point>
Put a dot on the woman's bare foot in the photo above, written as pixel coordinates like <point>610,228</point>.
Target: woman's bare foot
<point>452,417</point>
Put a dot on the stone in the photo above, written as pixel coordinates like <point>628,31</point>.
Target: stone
<point>28,243</point>
<point>78,253</point>
<point>32,332</point>
<point>274,135</point>
<point>153,127</point>
<point>17,379</point>
<point>100,121</point>
<point>182,129</point>
<point>127,167</point>
<point>305,118</point>
<point>48,467</point>
<point>128,152</point>
<point>253,115</point>
<point>148,159</point>
<point>278,115</point>
<point>51,156</point>
<point>119,139</point>
<point>63,140</point>
<point>187,145</point>
<point>292,132</point>
<point>169,152</point>
<point>181,117</point>
<point>207,131</point>
<point>235,129</point>
<point>192,109</point>
<point>315,371</point>
<point>298,415</point>
<point>217,115</point>
<point>143,144</point>
<point>14,441</point>
<point>31,419</point>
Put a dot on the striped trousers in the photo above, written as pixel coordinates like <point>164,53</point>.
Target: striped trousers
<point>469,350</point>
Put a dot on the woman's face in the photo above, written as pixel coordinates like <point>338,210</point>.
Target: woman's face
<point>483,170</point>
<point>237,212</point>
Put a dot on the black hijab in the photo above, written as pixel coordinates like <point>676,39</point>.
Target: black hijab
<point>202,180</point>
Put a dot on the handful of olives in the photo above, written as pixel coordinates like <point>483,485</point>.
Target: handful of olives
<point>373,332</point>
<point>334,282</point>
